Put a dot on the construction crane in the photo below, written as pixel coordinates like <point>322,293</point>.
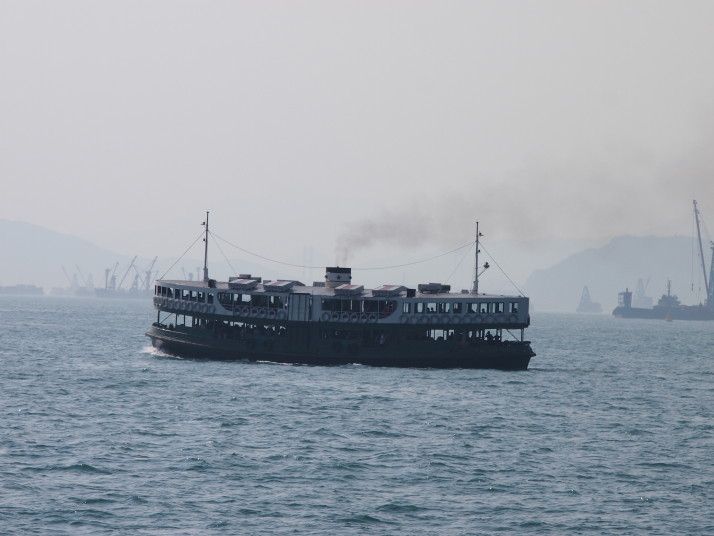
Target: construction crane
<point>110,281</point>
<point>127,272</point>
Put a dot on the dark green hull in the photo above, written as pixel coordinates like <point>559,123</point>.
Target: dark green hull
<point>308,345</point>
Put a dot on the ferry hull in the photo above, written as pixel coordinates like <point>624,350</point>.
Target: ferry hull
<point>509,355</point>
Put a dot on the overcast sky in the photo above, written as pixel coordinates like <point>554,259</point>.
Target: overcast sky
<point>346,129</point>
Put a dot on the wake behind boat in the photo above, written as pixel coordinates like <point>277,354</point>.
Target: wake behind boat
<point>339,322</point>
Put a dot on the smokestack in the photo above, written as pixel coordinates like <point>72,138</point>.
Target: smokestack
<point>336,276</point>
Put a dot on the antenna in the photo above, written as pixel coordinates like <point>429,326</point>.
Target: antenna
<point>205,251</point>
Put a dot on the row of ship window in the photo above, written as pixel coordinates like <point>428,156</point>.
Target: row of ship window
<point>183,294</point>
<point>460,307</point>
<point>382,306</point>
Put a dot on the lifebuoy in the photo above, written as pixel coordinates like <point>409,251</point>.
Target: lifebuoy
<point>325,316</point>
<point>245,311</point>
<point>345,317</point>
<point>478,319</point>
<point>489,319</point>
<point>354,317</point>
<point>513,318</point>
<point>335,316</point>
<point>455,319</point>
<point>500,318</point>
<point>423,320</point>
<point>211,309</point>
<point>272,313</point>
<point>372,317</point>
<point>281,315</point>
<point>404,319</point>
<point>445,319</point>
<point>363,317</point>
<point>433,319</point>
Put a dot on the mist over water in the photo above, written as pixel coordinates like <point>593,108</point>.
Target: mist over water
<point>609,432</point>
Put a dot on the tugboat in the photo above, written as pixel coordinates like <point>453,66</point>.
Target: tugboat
<point>669,307</point>
<point>339,322</point>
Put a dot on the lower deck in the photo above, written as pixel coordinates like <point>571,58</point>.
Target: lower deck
<point>333,344</point>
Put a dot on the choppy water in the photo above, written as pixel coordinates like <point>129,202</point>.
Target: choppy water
<point>609,432</point>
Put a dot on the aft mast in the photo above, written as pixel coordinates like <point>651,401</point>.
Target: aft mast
<point>474,290</point>
<point>205,251</point>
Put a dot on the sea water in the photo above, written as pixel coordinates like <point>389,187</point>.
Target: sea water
<point>610,431</point>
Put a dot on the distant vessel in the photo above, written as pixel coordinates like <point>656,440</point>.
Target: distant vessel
<point>669,307</point>
<point>586,304</point>
<point>22,290</point>
<point>339,322</point>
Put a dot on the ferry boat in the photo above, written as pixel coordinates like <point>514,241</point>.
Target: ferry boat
<point>338,322</point>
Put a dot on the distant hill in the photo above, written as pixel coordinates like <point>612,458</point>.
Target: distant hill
<point>34,255</point>
<point>616,266</point>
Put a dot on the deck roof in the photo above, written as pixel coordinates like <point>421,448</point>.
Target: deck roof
<point>330,292</point>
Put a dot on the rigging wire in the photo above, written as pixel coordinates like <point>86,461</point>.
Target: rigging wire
<point>468,245</point>
<point>182,255</point>
<point>260,256</point>
<point>459,263</point>
<point>354,269</point>
<point>417,262</point>
<point>222,253</point>
<point>502,271</point>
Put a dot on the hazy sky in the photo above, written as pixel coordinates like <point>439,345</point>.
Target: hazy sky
<point>373,124</point>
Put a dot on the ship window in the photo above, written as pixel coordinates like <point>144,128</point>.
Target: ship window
<point>513,307</point>
<point>431,307</point>
<point>201,297</point>
<point>499,307</point>
<point>406,307</point>
<point>444,307</point>
<point>210,298</point>
<point>420,307</point>
<point>472,308</point>
<point>483,307</point>
<point>185,294</point>
<point>457,308</point>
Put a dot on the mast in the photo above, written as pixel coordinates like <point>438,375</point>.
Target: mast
<point>474,290</point>
<point>701,249</point>
<point>205,251</point>
<point>710,296</point>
